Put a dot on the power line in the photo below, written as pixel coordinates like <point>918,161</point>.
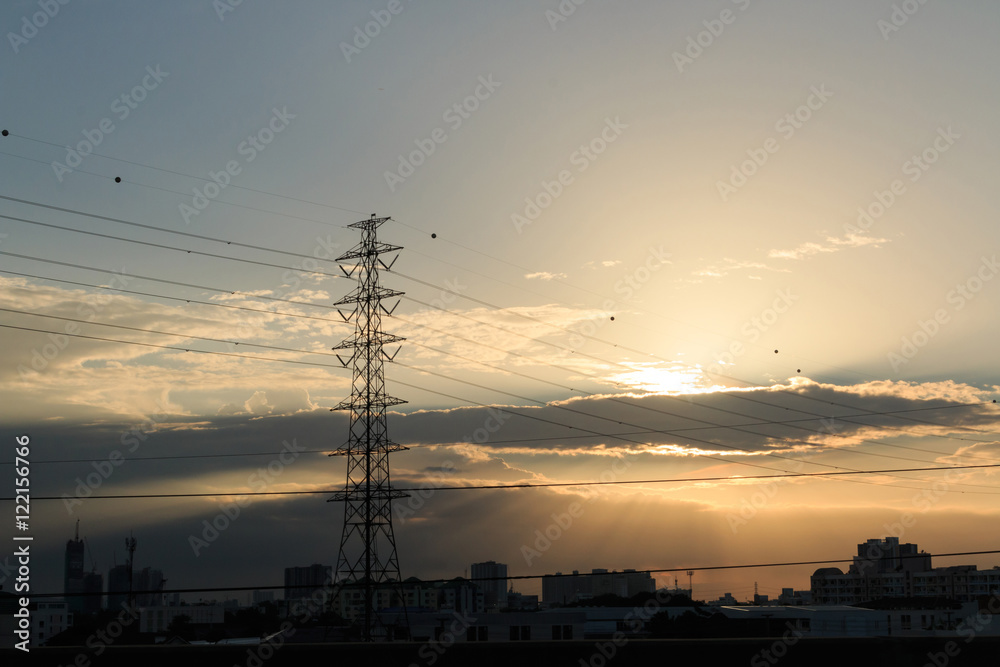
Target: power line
<point>349,210</point>
<point>523,398</point>
<point>521,577</point>
<point>173,347</point>
<point>409,445</point>
<point>163,246</point>
<point>197,178</point>
<point>200,237</point>
<point>469,340</point>
<point>169,333</point>
<point>287,349</point>
<point>712,425</point>
<point>545,404</point>
<point>410,226</point>
<point>495,487</point>
<point>323,222</point>
<point>430,305</point>
<point>479,301</point>
<point>176,192</point>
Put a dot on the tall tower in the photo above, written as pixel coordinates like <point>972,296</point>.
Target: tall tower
<point>367,558</point>
<point>130,544</point>
<point>73,571</point>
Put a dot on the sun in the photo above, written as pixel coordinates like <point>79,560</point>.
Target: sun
<point>661,378</point>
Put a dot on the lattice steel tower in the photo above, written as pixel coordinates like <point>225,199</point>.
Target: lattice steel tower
<point>367,556</point>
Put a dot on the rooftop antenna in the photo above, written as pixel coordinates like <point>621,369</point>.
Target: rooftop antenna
<point>93,561</point>
<point>130,547</point>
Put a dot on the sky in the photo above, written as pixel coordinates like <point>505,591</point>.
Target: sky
<point>641,241</point>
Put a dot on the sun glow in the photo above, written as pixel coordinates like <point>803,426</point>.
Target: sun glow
<point>661,378</point>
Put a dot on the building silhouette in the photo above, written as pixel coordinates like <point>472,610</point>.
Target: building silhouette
<point>117,586</point>
<point>73,572</point>
<point>491,577</point>
<point>302,582</point>
<point>887,569</point>
<point>93,585</point>
<point>148,579</point>
<point>566,589</point>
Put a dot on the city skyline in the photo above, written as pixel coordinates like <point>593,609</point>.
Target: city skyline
<point>706,243</point>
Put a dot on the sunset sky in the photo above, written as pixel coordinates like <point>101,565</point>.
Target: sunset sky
<point>635,236</point>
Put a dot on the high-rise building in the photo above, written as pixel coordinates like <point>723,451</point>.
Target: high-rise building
<point>93,584</point>
<point>73,572</point>
<point>117,586</point>
<point>302,582</point>
<point>888,555</point>
<point>263,596</point>
<point>148,579</point>
<point>491,577</point>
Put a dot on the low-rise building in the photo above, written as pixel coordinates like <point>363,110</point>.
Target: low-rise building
<point>48,619</point>
<point>445,627</point>
<point>568,588</point>
<point>887,569</point>
<point>158,619</point>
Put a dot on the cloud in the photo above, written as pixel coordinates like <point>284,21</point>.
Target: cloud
<point>506,337</point>
<point>831,244</point>
<point>271,402</point>
<point>110,379</point>
<point>729,265</point>
<point>655,436</point>
<point>545,275</point>
<point>602,264</point>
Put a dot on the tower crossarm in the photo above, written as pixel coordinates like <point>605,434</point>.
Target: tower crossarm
<point>374,340</point>
<point>362,296</point>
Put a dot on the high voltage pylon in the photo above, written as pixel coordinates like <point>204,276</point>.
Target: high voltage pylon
<point>367,557</point>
